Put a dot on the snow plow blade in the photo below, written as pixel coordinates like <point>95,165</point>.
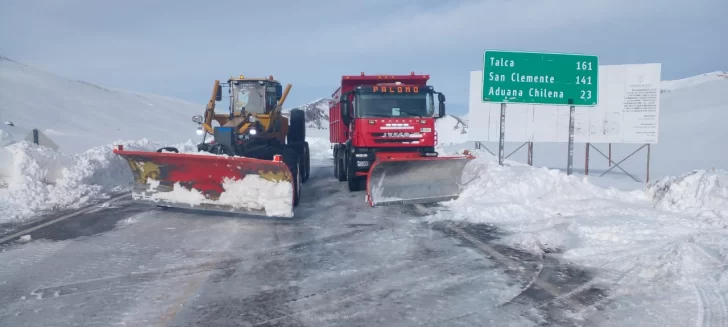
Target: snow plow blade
<point>408,180</point>
<point>211,182</point>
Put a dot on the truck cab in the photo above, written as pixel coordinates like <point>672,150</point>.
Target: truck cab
<point>375,117</point>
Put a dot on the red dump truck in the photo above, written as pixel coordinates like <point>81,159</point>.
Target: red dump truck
<point>382,128</point>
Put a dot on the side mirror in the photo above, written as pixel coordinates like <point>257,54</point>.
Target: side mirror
<point>197,119</point>
<point>218,93</point>
<point>441,104</point>
<point>344,102</point>
<point>279,92</point>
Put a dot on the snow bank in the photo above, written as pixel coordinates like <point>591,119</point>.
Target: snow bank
<point>320,148</point>
<point>35,179</point>
<point>516,196</point>
<point>700,193</point>
<point>663,241</point>
<point>524,199</point>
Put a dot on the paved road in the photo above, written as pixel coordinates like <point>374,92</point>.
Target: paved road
<point>337,263</point>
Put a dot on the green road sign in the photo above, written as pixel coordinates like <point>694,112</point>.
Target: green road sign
<point>540,78</point>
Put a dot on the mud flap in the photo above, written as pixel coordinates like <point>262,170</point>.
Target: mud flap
<point>211,182</point>
<point>420,180</point>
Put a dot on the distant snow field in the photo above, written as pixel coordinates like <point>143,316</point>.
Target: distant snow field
<point>77,115</point>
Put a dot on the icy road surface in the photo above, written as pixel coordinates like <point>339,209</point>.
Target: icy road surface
<point>338,263</point>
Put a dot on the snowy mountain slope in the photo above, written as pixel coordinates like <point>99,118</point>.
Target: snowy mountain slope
<point>694,97</point>
<point>671,85</point>
<point>78,115</point>
<point>692,129</point>
<point>317,117</point>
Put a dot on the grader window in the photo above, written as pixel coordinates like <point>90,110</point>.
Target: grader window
<point>270,97</point>
<point>248,97</point>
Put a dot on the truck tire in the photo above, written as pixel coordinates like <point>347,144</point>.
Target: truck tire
<point>340,165</point>
<point>336,161</point>
<point>297,129</point>
<point>305,163</point>
<point>353,180</point>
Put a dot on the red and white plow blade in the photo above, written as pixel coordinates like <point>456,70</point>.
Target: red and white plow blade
<point>211,182</point>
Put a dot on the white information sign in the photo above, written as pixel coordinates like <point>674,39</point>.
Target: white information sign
<point>628,112</point>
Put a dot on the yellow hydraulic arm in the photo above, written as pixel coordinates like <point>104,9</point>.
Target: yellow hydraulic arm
<point>210,110</point>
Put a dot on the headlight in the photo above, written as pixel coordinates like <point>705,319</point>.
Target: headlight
<point>200,131</point>
<point>253,131</point>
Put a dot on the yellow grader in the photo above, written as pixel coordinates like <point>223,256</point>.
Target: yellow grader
<point>254,149</point>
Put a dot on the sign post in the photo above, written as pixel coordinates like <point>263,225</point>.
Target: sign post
<point>540,79</point>
<point>570,160</point>
<point>502,142</point>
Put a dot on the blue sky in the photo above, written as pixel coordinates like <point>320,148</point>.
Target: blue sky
<point>178,48</point>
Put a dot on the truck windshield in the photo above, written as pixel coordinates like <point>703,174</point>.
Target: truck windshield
<point>249,97</point>
<point>394,105</point>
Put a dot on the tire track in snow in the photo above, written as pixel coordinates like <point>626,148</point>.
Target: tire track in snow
<point>712,310</point>
<point>351,294</point>
<point>553,287</point>
<point>271,305</point>
<point>530,284</point>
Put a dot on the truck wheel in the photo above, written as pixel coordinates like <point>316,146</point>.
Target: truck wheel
<point>336,162</point>
<point>306,163</point>
<point>297,130</point>
<point>354,181</point>
<point>340,166</point>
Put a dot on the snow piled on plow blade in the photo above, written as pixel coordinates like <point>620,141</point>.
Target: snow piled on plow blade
<point>416,180</point>
<point>211,182</point>
<point>251,195</point>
